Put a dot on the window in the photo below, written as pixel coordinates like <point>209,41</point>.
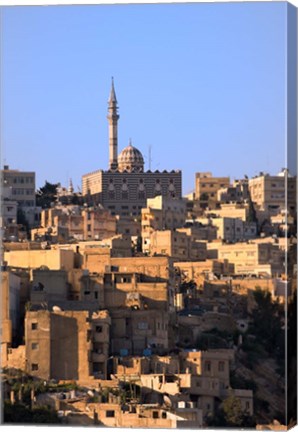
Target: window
<point>89,227</point>
<point>247,405</point>
<point>34,326</point>
<point>164,415</point>
<point>34,345</point>
<point>155,414</point>
<point>110,413</point>
<point>207,366</point>
<point>143,326</point>
<point>98,329</point>
<point>221,366</point>
<point>34,367</point>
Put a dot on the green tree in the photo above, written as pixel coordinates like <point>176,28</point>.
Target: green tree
<point>19,413</point>
<point>230,414</point>
<point>232,411</point>
<point>267,324</point>
<point>22,220</point>
<point>46,194</point>
<point>252,215</point>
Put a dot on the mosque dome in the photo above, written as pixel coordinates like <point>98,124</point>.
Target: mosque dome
<point>131,160</point>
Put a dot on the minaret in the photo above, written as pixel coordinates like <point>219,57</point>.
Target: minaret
<point>70,187</point>
<point>113,118</point>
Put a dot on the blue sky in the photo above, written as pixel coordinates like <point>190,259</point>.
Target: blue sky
<point>203,84</point>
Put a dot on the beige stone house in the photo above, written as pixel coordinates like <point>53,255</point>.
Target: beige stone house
<point>207,186</point>
<point>274,193</point>
<point>178,245</point>
<point>67,345</point>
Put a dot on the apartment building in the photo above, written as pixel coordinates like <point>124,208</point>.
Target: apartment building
<point>230,210</point>
<point>62,223</point>
<point>161,214</point>
<point>238,192</point>
<point>199,271</point>
<point>199,231</point>
<point>178,245</point>
<point>31,259</point>
<point>250,258</point>
<point>22,189</point>
<point>8,215</point>
<point>67,345</point>
<point>234,229</point>
<point>197,379</point>
<point>207,186</point>
<point>274,193</point>
<point>10,306</point>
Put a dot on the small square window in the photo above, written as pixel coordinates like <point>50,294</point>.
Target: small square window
<point>34,345</point>
<point>34,367</point>
<point>34,326</point>
<point>110,413</point>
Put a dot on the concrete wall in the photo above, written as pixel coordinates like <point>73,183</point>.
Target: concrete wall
<point>31,259</point>
<point>10,305</point>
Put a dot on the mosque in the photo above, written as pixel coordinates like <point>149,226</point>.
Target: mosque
<point>125,186</point>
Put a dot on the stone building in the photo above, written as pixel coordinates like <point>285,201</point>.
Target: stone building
<point>67,345</point>
<point>177,245</point>
<point>62,223</point>
<point>161,214</point>
<point>274,193</point>
<point>207,186</point>
<point>253,258</point>
<point>198,231</point>
<point>234,229</point>
<point>59,259</point>
<point>197,379</point>
<point>10,306</point>
<point>238,192</point>
<point>125,186</point>
<point>8,215</point>
<point>232,210</point>
<point>22,187</point>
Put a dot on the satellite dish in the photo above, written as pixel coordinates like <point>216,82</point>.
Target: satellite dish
<point>167,401</point>
<point>57,309</point>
